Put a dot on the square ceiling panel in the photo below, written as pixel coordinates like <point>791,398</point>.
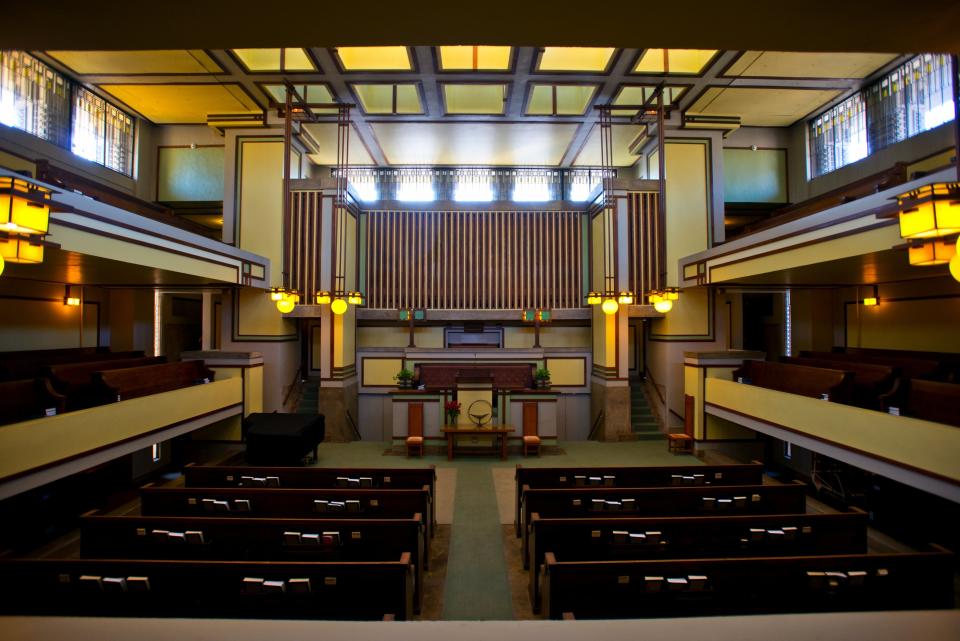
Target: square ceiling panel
<point>640,94</point>
<point>793,64</point>
<point>560,100</point>
<point>474,143</point>
<point>389,98</point>
<point>762,107</point>
<point>374,58</point>
<point>475,99</point>
<point>476,58</point>
<point>171,61</point>
<point>623,137</point>
<point>311,93</point>
<point>679,61</point>
<point>325,135</point>
<point>170,104</point>
<point>595,59</point>
<point>265,60</point>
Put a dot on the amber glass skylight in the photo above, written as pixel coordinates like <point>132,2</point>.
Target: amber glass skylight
<point>560,100</point>
<point>269,59</point>
<point>685,61</point>
<point>389,98</point>
<point>474,99</point>
<point>374,58</point>
<point>476,58</point>
<point>575,58</point>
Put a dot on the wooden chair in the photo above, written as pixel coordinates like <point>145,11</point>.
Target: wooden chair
<point>414,429</point>
<point>682,442</point>
<point>531,441</point>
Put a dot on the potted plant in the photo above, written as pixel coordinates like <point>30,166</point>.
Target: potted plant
<point>541,378</point>
<point>404,378</point>
<point>452,409</point>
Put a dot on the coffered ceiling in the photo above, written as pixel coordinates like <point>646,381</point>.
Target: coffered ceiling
<point>473,104</point>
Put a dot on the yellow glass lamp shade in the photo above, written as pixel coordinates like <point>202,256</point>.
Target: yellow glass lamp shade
<point>355,298</point>
<point>323,298</point>
<point>338,306</point>
<point>2,265</point>
<point>932,252</point>
<point>276,294</point>
<point>610,306</point>
<point>594,298</point>
<point>870,301</point>
<point>955,267</point>
<point>930,212</point>
<point>671,294</point>
<point>24,207</point>
<point>663,306</point>
<point>625,298</point>
<point>286,305</point>
<point>71,301</point>
<point>17,249</point>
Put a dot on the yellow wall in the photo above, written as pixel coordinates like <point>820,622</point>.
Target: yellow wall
<point>398,336</point>
<point>687,195</point>
<point>689,317</point>
<point>16,163</point>
<point>596,226</point>
<point>604,338</point>
<point>344,337</point>
<point>567,371</point>
<point>927,325</point>
<point>260,200</point>
<point>381,371</point>
<point>33,316</point>
<point>258,315</point>
<point>522,337</point>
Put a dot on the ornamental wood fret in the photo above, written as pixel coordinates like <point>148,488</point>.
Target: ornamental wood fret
<point>644,237</point>
<point>303,252</point>
<point>474,259</point>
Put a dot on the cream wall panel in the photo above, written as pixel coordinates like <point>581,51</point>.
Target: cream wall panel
<point>381,371</point>
<point>258,315</point>
<point>690,315</point>
<point>260,201</point>
<point>567,371</point>
<point>687,202</point>
<point>399,336</point>
<point>925,325</point>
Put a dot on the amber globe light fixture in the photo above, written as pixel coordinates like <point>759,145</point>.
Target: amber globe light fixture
<point>610,306</point>
<point>338,306</point>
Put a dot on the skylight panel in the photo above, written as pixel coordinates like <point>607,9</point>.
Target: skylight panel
<point>475,98</point>
<point>389,98</point>
<point>475,58</point>
<point>374,58</point>
<point>682,61</point>
<point>269,59</point>
<point>560,100</point>
<point>594,59</point>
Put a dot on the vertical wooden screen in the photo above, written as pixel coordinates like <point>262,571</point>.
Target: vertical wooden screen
<point>474,259</point>
<point>305,238</point>
<point>644,238</point>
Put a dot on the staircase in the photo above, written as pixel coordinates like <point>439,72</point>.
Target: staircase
<point>642,421</point>
<point>309,401</point>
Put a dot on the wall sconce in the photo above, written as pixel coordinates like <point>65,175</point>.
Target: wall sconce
<point>70,297</point>
<point>24,207</point>
<point>930,211</point>
<point>873,300</point>
<point>931,252</point>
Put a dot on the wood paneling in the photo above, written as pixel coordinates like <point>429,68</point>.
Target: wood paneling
<point>473,259</point>
<point>643,230</point>
<point>305,240</point>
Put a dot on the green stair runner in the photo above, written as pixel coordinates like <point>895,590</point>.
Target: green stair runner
<point>309,402</point>
<point>644,424</point>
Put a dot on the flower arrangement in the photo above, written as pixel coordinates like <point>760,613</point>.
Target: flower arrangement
<point>452,410</point>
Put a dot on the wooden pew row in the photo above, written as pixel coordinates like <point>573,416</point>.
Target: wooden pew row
<point>215,589</point>
<point>316,477</point>
<point>243,539</point>
<point>31,364</point>
<point>763,585</point>
<point>909,367</point>
<point>598,539</point>
<point>75,381</point>
<point>928,400</point>
<point>134,382</point>
<point>815,382</point>
<point>290,503</point>
<point>653,476</point>
<point>28,399</point>
<point>614,502</point>
<point>870,382</point>
<point>948,360</point>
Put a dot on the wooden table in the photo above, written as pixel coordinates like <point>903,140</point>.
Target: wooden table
<point>499,431</point>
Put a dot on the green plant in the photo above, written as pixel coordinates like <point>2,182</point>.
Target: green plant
<point>404,375</point>
<point>542,374</point>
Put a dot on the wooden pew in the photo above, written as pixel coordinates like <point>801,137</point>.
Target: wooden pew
<point>612,502</point>
<point>949,361</point>
<point>28,399</point>
<point>929,400</point>
<point>763,585</point>
<point>32,364</point>
<point>869,382</point>
<point>306,477</point>
<point>216,589</point>
<point>597,539</point>
<point>652,476</point>
<point>134,382</point>
<point>909,367</point>
<point>293,503</point>
<point>814,382</point>
<point>75,380</point>
<point>252,539</point>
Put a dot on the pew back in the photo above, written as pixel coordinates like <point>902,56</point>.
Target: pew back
<point>703,587</point>
<point>221,589</point>
<point>870,381</point>
<point>909,367</point>
<point>932,401</point>
<point>31,364</point>
<point>797,379</point>
<point>76,381</point>
<point>28,399</point>
<point>135,382</point>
